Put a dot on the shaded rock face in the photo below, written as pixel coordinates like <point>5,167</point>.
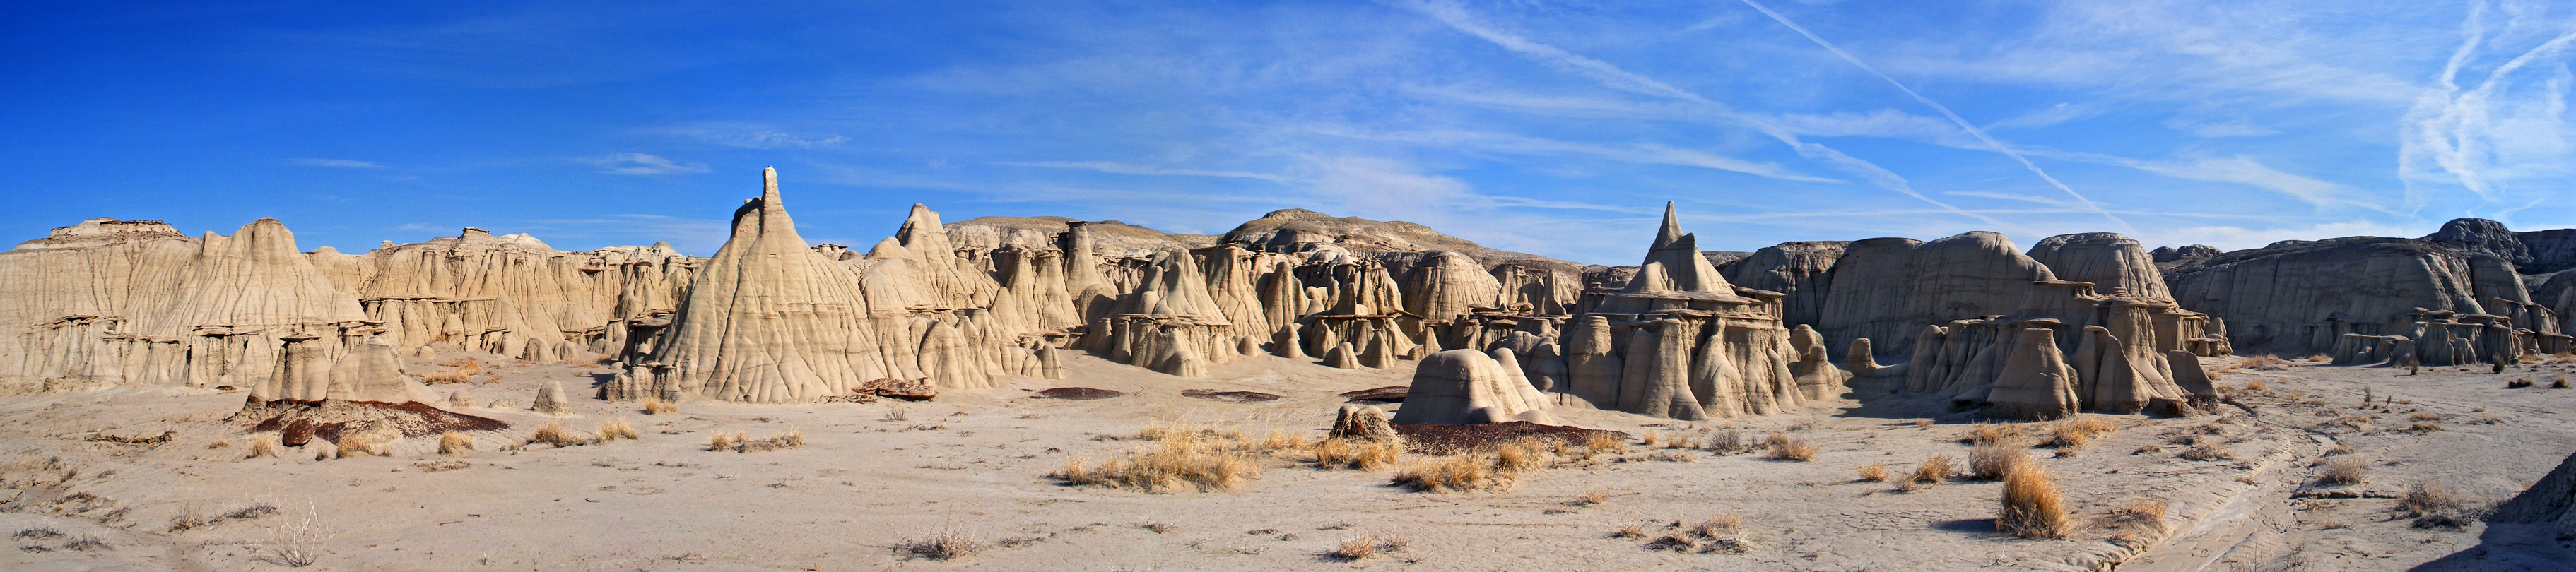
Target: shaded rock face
<point>2549,503</point>
<point>2114,264</point>
<point>1798,270</point>
<point>2304,296</point>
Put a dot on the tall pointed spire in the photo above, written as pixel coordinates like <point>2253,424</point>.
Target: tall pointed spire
<point>769,185</point>
<point>1672,231</point>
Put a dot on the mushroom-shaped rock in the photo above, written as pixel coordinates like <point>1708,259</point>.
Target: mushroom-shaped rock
<point>1465,386</point>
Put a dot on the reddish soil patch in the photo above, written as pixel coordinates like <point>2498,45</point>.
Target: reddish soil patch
<point>1078,393</point>
<point>1233,396</point>
<point>1388,394</point>
<point>300,422</point>
<point>1439,439</point>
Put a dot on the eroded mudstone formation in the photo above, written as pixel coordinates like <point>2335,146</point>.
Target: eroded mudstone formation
<point>110,302</point>
<point>2034,382</point>
<point>769,319</point>
<point>2549,504</point>
<point>2473,280</point>
<point>1676,340</point>
<point>1464,386</point>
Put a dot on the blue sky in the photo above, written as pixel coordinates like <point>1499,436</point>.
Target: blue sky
<point>1546,127</point>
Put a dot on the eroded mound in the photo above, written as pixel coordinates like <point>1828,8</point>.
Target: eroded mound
<point>298,422</point>
<point>1389,394</point>
<point>1446,439</point>
<point>1078,393</point>
<point>1233,396</point>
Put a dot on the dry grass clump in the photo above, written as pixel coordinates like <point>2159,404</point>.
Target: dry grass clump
<point>1723,534</point>
<point>2148,513</point>
<point>793,438</point>
<point>2424,427</point>
<point>618,428</point>
<point>1591,497</point>
<point>355,445</point>
<point>454,443</point>
<point>1598,442</point>
<point>656,406</point>
<point>2261,362</point>
<point>2074,431</point>
<point>1206,460</point>
<point>2138,524</point>
<point>1994,462</point>
<point>1631,530</point>
<point>2436,506</point>
<point>1873,473</point>
<point>1495,467</point>
<point>1724,441</point>
<point>741,442</point>
<point>1367,547</point>
<point>2031,505</point>
<point>262,446</point>
<point>2517,383</point>
<point>2560,383</point>
<point>554,433</point>
<point>2207,451</point>
<point>1784,448</point>
<point>1448,474</point>
<point>1934,470</point>
<point>2345,470</point>
<point>2424,416</point>
<point>1356,454</point>
<point>1983,433</point>
<point>464,371</point>
<point>2339,449</point>
<point>944,545</point>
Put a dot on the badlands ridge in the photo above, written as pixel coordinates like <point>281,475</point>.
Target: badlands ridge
<point>152,379</point>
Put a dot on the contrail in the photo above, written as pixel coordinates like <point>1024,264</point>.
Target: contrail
<point>1614,78</point>
<point>1945,111</point>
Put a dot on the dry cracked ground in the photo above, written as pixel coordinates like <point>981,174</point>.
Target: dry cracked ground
<point>154,479</point>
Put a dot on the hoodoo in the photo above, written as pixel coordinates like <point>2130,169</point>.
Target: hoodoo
<point>769,320</point>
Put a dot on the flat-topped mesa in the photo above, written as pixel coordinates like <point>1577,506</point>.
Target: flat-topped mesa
<point>769,320</point>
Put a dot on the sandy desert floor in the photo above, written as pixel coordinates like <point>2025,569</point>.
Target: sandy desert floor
<point>89,483</point>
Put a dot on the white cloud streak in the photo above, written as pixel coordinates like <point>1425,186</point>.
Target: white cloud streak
<point>337,163</point>
<point>1972,129</point>
<point>1613,77</point>
<point>1126,169</point>
<point>643,164</point>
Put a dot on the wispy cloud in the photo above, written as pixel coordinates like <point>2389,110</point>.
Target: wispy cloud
<point>1641,153</point>
<point>2483,137</point>
<point>337,163</point>
<point>750,136</point>
<point>1125,169</point>
<point>1972,129</point>
<point>1613,77</point>
<point>643,164</point>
